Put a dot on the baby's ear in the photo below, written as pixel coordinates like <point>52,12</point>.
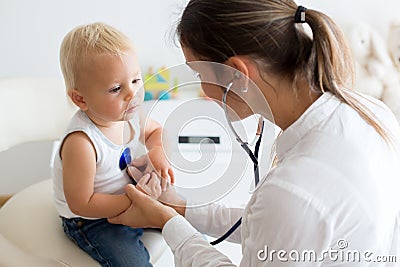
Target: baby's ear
<point>78,99</point>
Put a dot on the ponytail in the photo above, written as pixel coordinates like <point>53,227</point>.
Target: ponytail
<point>333,66</point>
<point>269,32</point>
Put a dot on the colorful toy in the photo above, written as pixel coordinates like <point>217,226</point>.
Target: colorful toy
<point>158,85</point>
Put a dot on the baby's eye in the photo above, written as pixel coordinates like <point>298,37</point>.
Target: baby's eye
<point>136,81</point>
<point>115,90</point>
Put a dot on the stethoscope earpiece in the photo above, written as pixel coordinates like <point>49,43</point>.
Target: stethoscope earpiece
<point>236,75</point>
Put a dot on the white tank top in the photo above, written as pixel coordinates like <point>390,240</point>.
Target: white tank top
<point>109,178</point>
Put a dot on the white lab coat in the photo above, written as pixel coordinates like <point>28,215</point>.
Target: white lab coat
<point>332,200</point>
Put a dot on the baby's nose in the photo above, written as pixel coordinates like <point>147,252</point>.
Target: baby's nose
<point>130,94</point>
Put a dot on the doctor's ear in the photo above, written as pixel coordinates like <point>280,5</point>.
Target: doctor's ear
<point>77,98</point>
<point>242,71</point>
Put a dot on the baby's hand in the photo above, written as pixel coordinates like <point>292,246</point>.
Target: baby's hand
<point>161,166</point>
<point>150,184</point>
<point>160,163</point>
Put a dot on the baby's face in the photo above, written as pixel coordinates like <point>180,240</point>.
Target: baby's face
<point>112,87</point>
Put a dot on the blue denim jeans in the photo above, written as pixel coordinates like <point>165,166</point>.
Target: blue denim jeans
<point>112,245</point>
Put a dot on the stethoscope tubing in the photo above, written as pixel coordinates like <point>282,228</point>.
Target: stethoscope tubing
<point>253,156</point>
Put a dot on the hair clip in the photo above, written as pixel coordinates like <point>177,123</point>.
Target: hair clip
<point>300,16</point>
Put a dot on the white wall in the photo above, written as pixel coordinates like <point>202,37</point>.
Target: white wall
<point>31,30</point>
<point>378,14</point>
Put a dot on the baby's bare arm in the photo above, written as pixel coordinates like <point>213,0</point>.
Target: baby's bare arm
<point>79,168</point>
<point>156,151</point>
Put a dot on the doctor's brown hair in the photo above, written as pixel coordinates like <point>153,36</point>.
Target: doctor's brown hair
<point>266,32</point>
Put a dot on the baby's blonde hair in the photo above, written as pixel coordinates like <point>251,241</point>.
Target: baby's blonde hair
<point>89,40</point>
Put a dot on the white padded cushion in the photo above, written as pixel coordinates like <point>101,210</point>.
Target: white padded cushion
<point>33,109</point>
<point>13,256</point>
<point>30,221</point>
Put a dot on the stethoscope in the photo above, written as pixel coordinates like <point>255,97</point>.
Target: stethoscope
<point>245,146</point>
<point>126,155</point>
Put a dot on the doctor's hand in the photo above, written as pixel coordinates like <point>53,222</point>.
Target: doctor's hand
<point>155,160</point>
<point>144,212</point>
<point>150,184</point>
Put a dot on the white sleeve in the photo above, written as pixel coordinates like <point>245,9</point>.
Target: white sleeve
<point>284,220</point>
<point>189,246</point>
<point>272,225</point>
<point>214,219</point>
<point>280,217</point>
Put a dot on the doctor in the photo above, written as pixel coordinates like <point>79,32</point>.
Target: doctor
<point>335,184</point>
